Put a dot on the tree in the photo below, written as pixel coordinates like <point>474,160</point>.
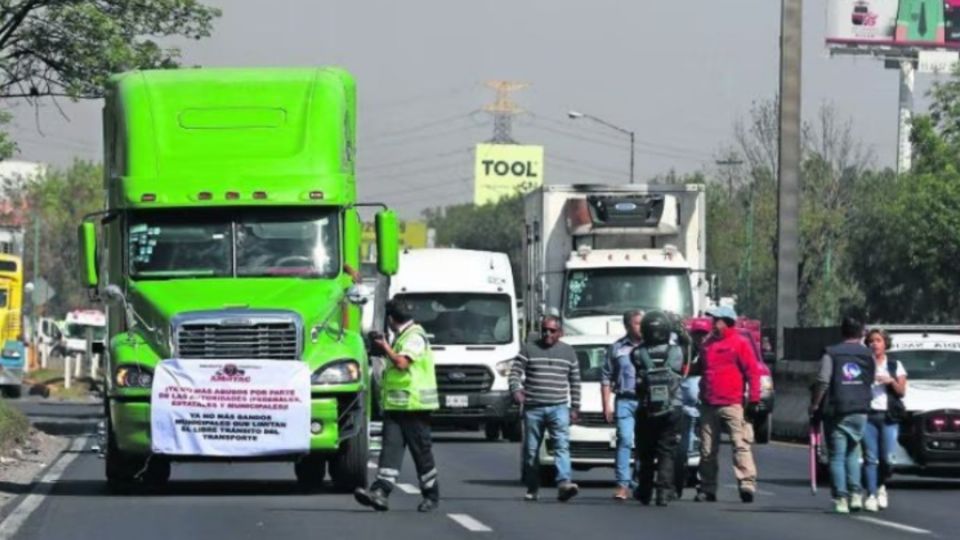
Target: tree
<point>70,47</point>
<point>60,200</point>
<point>7,146</point>
<point>490,227</point>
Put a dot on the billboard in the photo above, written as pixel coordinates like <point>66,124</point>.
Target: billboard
<point>505,169</point>
<point>894,23</point>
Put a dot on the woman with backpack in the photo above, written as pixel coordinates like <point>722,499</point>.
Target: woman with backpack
<point>886,411</point>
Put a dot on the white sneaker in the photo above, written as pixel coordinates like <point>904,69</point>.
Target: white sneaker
<point>856,502</point>
<point>870,505</point>
<point>882,501</point>
<point>840,506</point>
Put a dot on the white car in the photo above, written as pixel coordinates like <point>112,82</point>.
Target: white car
<point>930,435</point>
<point>593,442</point>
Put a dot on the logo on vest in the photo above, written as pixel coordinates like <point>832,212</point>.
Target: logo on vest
<point>851,371</point>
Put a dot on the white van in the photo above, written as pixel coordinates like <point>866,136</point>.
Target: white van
<point>466,302</point>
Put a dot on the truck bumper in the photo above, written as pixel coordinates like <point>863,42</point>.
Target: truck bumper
<point>473,409</point>
<point>340,415</point>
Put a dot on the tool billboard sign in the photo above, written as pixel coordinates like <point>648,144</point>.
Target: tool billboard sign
<point>234,408</point>
<point>505,169</point>
<point>893,24</point>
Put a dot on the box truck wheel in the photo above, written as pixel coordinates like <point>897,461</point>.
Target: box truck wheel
<point>13,391</point>
<point>491,430</point>
<point>310,471</point>
<point>348,468</point>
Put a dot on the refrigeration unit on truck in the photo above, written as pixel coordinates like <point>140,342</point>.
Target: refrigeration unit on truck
<point>593,252</point>
<point>466,302</point>
<point>229,235</point>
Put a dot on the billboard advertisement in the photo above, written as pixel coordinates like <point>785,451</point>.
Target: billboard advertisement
<point>504,169</point>
<point>894,23</point>
<point>413,235</point>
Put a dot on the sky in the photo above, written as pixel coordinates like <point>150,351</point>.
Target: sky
<point>679,74</point>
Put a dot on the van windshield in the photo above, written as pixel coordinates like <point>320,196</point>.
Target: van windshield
<point>463,318</point>
<point>942,365</point>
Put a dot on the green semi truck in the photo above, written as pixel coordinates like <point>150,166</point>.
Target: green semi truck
<point>231,234</point>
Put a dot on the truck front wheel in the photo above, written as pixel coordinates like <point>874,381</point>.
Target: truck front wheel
<point>348,468</point>
<point>491,430</point>
<point>512,431</point>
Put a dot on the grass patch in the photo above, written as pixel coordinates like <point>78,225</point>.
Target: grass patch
<point>14,426</point>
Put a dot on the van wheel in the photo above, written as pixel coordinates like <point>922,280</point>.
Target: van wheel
<point>548,475</point>
<point>348,468</point>
<point>491,430</point>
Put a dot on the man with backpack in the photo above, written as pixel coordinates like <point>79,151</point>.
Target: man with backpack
<point>842,397</point>
<point>659,367</point>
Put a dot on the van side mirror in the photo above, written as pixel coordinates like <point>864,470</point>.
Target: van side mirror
<point>87,235</point>
<point>388,242</point>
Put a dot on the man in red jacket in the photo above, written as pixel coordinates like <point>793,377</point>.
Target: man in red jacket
<point>730,368</point>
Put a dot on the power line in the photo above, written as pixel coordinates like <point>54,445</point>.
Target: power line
<point>422,171</point>
<point>419,127</point>
<point>587,166</point>
<point>432,96</point>
<point>419,159</point>
<point>420,138</point>
<point>418,188</point>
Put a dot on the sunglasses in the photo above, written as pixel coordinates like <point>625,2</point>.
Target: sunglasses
<point>546,330</point>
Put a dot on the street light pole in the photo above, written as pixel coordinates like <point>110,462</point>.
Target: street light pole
<point>574,115</point>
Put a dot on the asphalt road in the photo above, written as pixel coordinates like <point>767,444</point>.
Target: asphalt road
<point>479,488</point>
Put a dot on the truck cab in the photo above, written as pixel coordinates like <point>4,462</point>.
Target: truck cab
<point>593,252</point>
<point>228,251</point>
<point>466,302</point>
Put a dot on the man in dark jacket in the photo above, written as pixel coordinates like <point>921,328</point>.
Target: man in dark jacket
<point>846,372</point>
<point>730,370</point>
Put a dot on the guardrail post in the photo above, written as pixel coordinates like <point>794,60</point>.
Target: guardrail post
<point>66,370</point>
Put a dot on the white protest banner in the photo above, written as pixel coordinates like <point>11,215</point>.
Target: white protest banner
<point>231,408</point>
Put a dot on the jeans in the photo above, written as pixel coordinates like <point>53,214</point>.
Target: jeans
<point>845,434</point>
<point>556,420</point>
<point>879,447</point>
<point>626,411</point>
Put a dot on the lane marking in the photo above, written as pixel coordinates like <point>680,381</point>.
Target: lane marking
<point>19,515</point>
<point>408,489</point>
<point>892,525</point>
<point>468,523</point>
<point>789,444</point>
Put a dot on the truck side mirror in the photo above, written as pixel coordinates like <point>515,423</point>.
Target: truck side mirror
<point>87,233</point>
<point>352,233</point>
<point>388,242</point>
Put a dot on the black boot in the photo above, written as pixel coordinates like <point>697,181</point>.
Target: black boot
<point>374,498</point>
<point>428,505</point>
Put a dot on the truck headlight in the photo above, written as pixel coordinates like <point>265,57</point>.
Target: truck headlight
<point>338,372</point>
<point>133,376</point>
<point>503,368</point>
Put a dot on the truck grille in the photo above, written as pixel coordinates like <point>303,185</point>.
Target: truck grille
<point>463,379</point>
<point>248,336</point>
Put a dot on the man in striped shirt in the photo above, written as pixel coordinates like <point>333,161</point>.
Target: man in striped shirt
<point>545,380</point>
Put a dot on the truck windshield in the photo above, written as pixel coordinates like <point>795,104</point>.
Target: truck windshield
<point>247,243</point>
<point>463,318</point>
<point>612,291</point>
<point>591,359</point>
<point>929,365</point>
